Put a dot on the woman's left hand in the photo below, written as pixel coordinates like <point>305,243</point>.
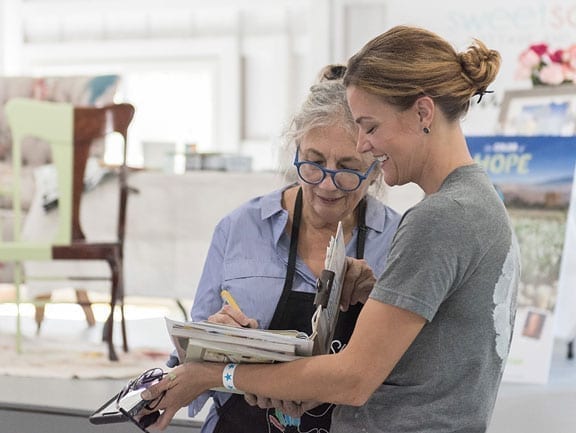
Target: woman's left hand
<point>181,386</point>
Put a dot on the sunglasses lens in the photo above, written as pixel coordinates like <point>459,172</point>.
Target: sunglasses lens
<point>148,378</point>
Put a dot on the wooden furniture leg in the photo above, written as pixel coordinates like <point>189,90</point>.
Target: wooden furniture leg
<point>40,301</point>
<point>84,302</point>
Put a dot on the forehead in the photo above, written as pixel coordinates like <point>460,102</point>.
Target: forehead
<point>326,140</point>
<point>365,105</point>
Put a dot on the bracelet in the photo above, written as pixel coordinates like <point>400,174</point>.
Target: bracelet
<point>228,376</point>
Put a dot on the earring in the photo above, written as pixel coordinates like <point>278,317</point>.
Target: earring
<point>426,130</point>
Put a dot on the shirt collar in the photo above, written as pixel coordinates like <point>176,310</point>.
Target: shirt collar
<point>374,220</point>
<point>271,207</point>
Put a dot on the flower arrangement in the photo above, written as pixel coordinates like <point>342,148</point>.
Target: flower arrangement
<point>546,67</point>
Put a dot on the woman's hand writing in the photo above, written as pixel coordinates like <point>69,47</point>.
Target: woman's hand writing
<point>229,315</point>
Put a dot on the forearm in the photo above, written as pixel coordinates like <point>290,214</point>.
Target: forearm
<point>382,335</point>
<point>326,378</point>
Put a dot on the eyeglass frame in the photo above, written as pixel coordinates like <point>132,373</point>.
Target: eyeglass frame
<point>332,173</point>
<point>145,404</point>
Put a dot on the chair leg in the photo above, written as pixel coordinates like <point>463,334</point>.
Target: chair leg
<point>40,302</point>
<point>570,349</point>
<point>182,308</point>
<point>115,295</point>
<point>84,302</point>
<point>120,294</point>
<point>107,333</point>
<point>123,325</point>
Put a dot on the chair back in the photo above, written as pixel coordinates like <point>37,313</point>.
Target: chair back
<point>91,123</point>
<point>53,123</point>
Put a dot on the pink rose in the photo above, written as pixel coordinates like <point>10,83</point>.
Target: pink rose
<point>570,56</point>
<point>522,72</point>
<point>529,59</point>
<point>539,49</point>
<point>557,56</point>
<point>552,74</point>
<point>569,73</point>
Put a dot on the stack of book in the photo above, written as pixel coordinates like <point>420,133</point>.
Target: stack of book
<point>205,341</point>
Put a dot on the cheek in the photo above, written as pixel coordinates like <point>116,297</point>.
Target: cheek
<point>380,141</point>
<point>306,189</point>
<point>355,197</point>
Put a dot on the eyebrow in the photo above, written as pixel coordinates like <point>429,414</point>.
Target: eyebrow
<point>321,155</point>
<point>361,119</point>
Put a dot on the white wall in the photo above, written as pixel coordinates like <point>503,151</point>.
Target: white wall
<point>508,26</point>
<point>264,53</point>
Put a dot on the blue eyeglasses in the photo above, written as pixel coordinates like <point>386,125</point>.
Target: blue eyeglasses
<point>345,180</point>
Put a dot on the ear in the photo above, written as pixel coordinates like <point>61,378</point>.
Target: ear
<point>425,109</point>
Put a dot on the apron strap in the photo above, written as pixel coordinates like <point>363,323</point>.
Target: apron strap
<point>279,313</point>
<point>362,229</point>
<point>278,317</point>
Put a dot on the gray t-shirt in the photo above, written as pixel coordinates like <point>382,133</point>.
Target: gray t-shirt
<point>454,260</point>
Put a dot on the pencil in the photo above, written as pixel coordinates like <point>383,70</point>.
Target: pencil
<point>227,297</point>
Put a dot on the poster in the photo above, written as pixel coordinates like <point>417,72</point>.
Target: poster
<point>534,177</point>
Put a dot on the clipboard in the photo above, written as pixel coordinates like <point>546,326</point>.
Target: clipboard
<point>328,293</point>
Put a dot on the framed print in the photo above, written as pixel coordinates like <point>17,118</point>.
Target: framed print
<point>545,110</point>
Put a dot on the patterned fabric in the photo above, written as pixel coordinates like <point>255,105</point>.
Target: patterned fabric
<point>78,90</point>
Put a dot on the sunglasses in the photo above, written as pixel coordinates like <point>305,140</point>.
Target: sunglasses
<point>129,402</point>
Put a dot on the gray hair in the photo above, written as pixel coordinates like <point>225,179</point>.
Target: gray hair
<point>326,105</point>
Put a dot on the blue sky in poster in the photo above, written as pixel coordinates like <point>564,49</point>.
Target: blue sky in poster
<point>524,159</point>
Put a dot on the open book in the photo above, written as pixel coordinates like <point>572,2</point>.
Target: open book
<point>204,341</point>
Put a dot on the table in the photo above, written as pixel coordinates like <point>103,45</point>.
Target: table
<point>170,220</point>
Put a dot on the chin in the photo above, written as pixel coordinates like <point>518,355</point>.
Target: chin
<point>390,181</point>
<point>330,214</point>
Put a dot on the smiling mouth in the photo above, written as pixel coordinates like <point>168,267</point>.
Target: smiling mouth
<point>329,199</point>
<point>382,158</point>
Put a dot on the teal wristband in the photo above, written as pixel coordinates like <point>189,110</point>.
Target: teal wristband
<point>228,377</point>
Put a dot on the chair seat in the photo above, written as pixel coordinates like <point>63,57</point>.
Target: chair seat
<point>19,251</point>
<point>87,251</point>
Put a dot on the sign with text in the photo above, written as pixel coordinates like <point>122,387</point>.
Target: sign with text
<point>534,177</point>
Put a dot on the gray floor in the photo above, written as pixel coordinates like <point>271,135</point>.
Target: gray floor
<point>549,408</point>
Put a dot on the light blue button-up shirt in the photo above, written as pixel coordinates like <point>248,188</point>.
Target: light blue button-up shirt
<point>248,256</point>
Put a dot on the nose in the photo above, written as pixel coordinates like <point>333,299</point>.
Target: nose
<point>327,183</point>
<point>363,144</point>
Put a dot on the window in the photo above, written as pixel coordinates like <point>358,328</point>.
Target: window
<point>174,104</point>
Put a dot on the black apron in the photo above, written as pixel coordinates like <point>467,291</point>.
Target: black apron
<point>294,311</point>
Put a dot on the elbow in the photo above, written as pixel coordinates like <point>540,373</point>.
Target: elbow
<point>358,397</point>
<point>359,389</point>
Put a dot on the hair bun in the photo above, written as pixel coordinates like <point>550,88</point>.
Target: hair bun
<point>332,72</point>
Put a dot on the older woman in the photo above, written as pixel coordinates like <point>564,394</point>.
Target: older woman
<point>269,252</point>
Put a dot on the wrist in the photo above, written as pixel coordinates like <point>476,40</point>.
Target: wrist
<point>228,376</point>
<point>207,375</point>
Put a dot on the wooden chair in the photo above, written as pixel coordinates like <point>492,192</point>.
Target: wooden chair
<point>71,132</point>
